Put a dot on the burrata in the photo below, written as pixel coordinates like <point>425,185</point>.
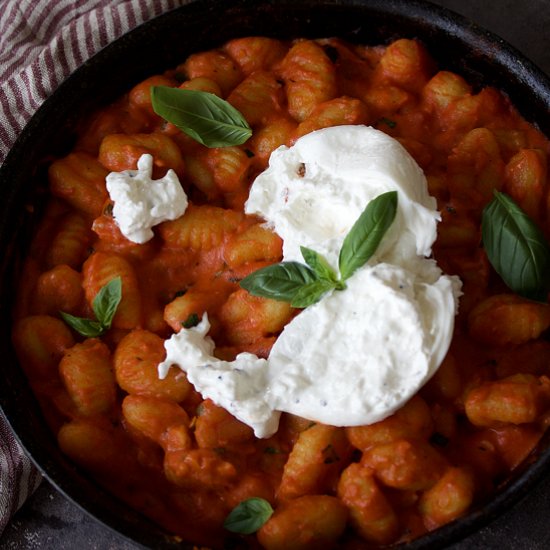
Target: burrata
<point>358,354</point>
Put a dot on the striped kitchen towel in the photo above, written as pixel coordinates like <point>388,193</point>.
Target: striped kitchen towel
<point>18,477</point>
<point>41,43</point>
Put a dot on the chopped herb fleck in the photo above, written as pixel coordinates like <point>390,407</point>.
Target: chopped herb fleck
<point>272,451</point>
<point>191,321</point>
<point>388,122</point>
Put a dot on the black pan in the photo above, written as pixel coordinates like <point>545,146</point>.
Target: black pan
<point>456,44</point>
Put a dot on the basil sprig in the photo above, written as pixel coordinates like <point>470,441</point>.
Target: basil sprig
<point>303,285</point>
<point>205,117</point>
<point>516,248</point>
<point>104,306</point>
<point>248,516</point>
<point>367,232</point>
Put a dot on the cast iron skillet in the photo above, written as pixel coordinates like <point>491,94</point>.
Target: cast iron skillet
<point>456,44</point>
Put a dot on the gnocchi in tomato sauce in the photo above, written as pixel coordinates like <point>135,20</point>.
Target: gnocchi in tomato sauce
<point>185,462</point>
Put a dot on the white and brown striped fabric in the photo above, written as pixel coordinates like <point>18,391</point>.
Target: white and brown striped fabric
<point>41,43</point>
<point>18,477</point>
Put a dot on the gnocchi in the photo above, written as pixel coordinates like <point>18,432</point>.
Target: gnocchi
<point>183,460</point>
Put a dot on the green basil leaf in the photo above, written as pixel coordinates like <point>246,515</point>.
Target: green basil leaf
<point>516,248</point>
<point>320,266</point>
<point>85,327</point>
<point>364,237</point>
<point>248,516</point>
<point>104,305</point>
<point>311,293</point>
<point>205,117</point>
<point>279,281</point>
<point>106,302</point>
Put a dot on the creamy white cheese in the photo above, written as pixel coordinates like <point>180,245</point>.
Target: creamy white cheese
<point>359,354</point>
<point>312,193</point>
<point>141,202</point>
<point>239,386</point>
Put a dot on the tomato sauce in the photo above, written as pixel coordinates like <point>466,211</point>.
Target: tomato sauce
<point>186,463</point>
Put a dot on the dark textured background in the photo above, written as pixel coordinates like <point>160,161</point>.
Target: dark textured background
<point>49,521</point>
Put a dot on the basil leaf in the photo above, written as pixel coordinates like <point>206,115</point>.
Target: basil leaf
<point>106,302</point>
<point>303,286</point>
<point>204,116</point>
<point>516,248</point>
<point>311,293</point>
<point>364,237</point>
<point>85,327</point>
<point>248,516</point>
<point>279,281</point>
<point>318,264</point>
